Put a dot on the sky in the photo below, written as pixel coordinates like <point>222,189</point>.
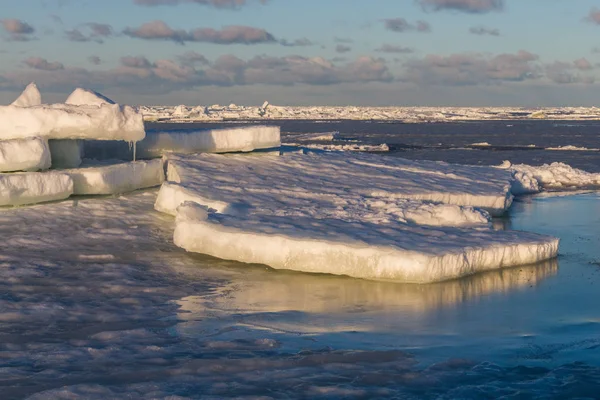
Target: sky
<point>306,52</point>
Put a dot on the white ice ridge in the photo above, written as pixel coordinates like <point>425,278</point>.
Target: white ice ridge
<point>343,184</point>
<point>557,176</point>
<point>67,121</point>
<point>397,252</point>
<point>31,154</point>
<point>34,187</point>
<point>243,139</point>
<point>66,153</point>
<point>30,97</point>
<point>87,97</point>
<point>116,178</point>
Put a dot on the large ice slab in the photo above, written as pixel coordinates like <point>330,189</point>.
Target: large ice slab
<point>30,97</point>
<point>31,154</point>
<point>116,178</point>
<point>66,153</point>
<point>242,139</point>
<point>34,187</point>
<point>338,184</point>
<point>392,251</point>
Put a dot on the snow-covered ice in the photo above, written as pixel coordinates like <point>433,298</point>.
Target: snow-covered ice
<point>30,154</point>
<point>241,139</point>
<point>30,97</point>
<point>116,178</point>
<point>99,120</point>
<point>66,153</point>
<point>34,187</point>
<point>392,251</point>
<point>558,176</point>
<point>341,183</point>
<point>87,97</point>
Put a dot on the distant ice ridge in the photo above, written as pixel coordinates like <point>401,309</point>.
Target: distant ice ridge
<point>571,148</point>
<point>87,115</point>
<point>397,252</point>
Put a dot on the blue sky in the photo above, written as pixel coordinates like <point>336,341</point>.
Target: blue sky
<point>335,52</point>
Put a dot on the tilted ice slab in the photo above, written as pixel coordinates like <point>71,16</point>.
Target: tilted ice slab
<point>116,178</point>
<point>34,187</point>
<point>338,184</point>
<point>31,154</point>
<point>30,97</point>
<point>243,139</point>
<point>99,120</point>
<point>397,252</point>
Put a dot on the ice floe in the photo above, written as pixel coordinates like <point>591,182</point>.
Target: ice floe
<point>558,176</point>
<point>30,154</point>
<point>34,187</point>
<point>394,251</point>
<point>242,139</point>
<point>116,178</point>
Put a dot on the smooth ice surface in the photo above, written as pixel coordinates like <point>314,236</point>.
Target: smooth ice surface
<point>242,139</point>
<point>31,154</point>
<point>342,185</point>
<point>34,187</point>
<point>392,251</point>
<point>66,153</point>
<point>64,121</point>
<point>116,178</point>
<point>87,97</point>
<point>30,97</point>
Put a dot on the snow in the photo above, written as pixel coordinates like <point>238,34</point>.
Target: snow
<point>66,153</point>
<point>31,154</point>
<point>338,183</point>
<point>34,187</point>
<point>392,251</point>
<point>243,139</point>
<point>30,97</point>
<point>116,178</point>
<point>570,148</point>
<point>87,97</point>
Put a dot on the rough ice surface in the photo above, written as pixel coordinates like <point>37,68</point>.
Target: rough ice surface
<point>557,176</point>
<point>340,184</point>
<point>116,178</point>
<point>31,154</point>
<point>87,97</point>
<point>242,139</point>
<point>392,251</point>
<point>34,187</point>
<point>30,97</point>
<point>66,153</point>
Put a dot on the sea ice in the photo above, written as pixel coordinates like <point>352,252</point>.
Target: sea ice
<point>116,178</point>
<point>100,120</point>
<point>30,97</point>
<point>34,187</point>
<point>243,139</point>
<point>338,183</point>
<point>391,251</point>
<point>66,153</point>
<point>87,97</point>
<point>31,154</point>
<point>553,176</point>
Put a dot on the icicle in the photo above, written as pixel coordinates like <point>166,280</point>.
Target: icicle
<point>134,149</point>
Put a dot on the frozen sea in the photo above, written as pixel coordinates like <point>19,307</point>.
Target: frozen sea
<point>96,301</point>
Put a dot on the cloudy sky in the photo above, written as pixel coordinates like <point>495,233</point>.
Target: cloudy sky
<point>306,52</point>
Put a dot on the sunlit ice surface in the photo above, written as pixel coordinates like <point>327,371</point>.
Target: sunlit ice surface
<point>96,302</point>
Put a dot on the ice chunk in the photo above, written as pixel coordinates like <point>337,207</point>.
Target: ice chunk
<point>66,153</point>
<point>87,97</point>
<point>340,183</point>
<point>116,178</point>
<point>557,176</point>
<point>30,97</point>
<point>64,121</point>
<point>34,187</point>
<point>31,154</point>
<point>397,252</point>
<point>243,139</point>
